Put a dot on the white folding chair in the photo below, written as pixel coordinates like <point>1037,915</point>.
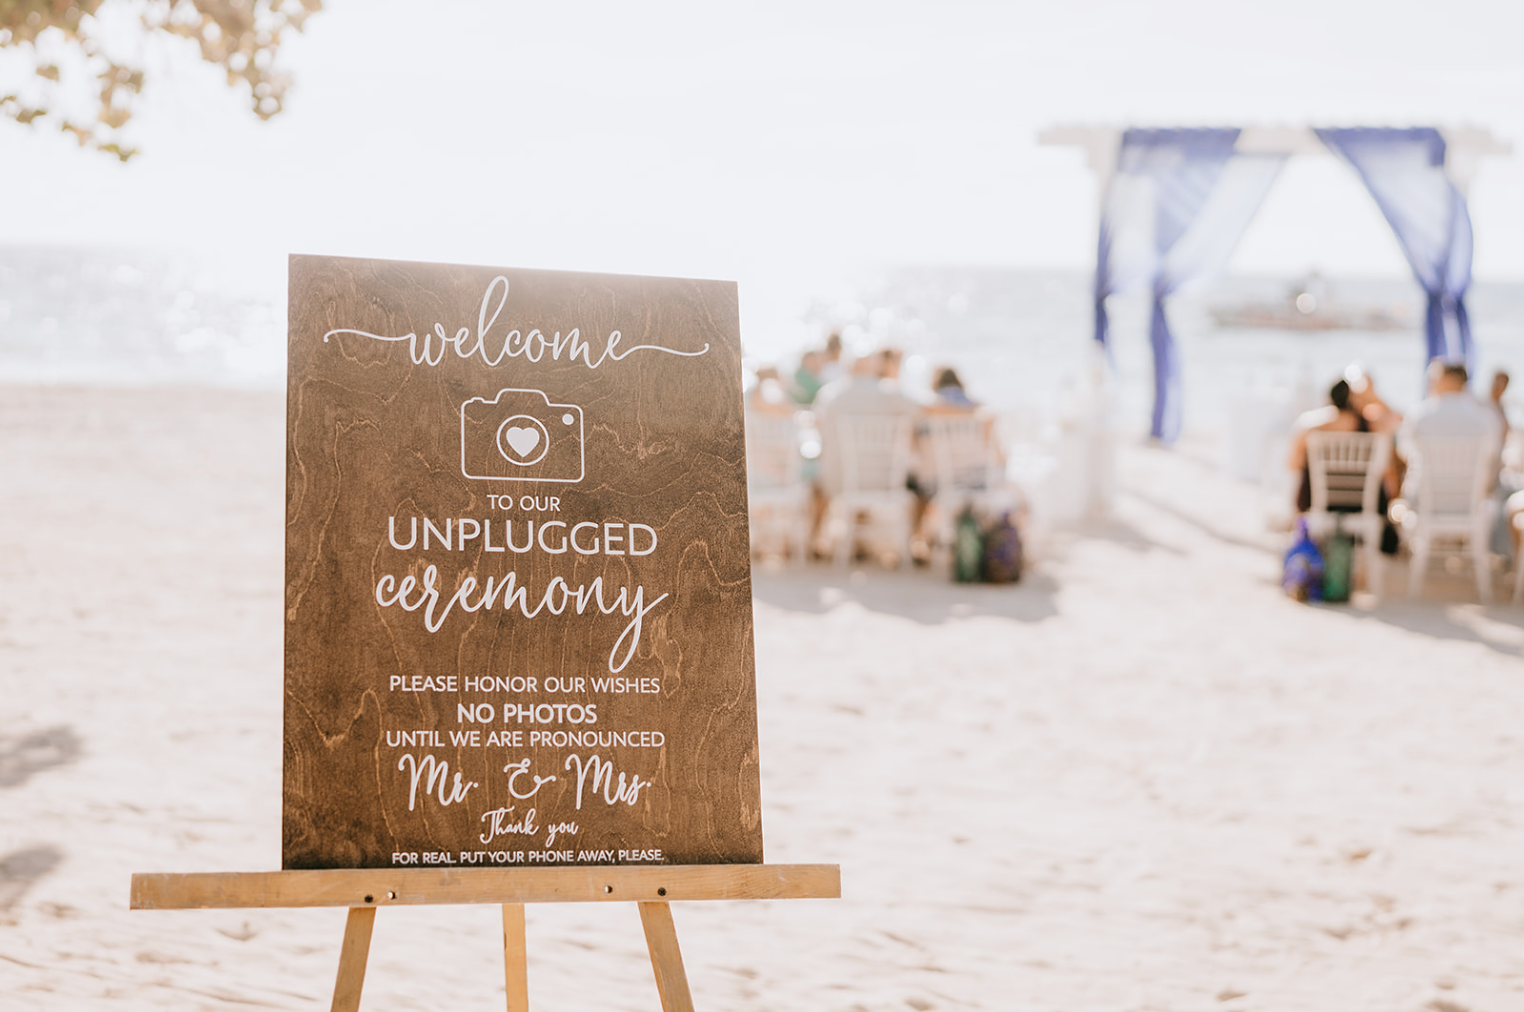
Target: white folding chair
<point>1345,471</point>
<point>965,466</point>
<point>875,463</point>
<point>778,497</point>
<point>1452,503</point>
<point>963,453</point>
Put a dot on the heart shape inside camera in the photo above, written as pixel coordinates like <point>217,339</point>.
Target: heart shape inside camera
<point>522,440</point>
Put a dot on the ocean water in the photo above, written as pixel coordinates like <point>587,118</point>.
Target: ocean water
<point>135,318</point>
<point>1019,338</point>
<point>1021,341</point>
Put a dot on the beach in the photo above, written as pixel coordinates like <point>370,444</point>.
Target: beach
<point>1140,779</point>
<point>584,314</point>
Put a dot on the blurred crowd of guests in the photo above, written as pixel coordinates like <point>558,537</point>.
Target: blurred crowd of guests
<point>824,376</point>
<point>831,386</point>
<point>1450,410</point>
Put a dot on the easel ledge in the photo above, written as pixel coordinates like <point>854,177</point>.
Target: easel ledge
<point>379,887</point>
<point>364,890</point>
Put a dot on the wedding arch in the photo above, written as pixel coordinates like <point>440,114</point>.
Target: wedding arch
<point>1175,201</point>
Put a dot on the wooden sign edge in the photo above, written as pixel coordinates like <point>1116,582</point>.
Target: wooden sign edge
<point>291,259</point>
<point>378,887</point>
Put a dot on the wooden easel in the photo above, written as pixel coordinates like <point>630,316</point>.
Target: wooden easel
<point>652,888</point>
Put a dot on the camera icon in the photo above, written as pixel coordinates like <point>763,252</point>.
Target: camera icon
<point>520,435</point>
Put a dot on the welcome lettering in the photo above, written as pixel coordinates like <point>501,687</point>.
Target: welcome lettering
<point>532,346</point>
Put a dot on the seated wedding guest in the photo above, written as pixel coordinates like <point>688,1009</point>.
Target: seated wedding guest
<point>1508,480</point>
<point>1499,388</point>
<point>1449,411</point>
<point>1506,535</point>
<point>1363,397</point>
<point>1339,415</point>
<point>1343,415</point>
<point>948,393</point>
<point>807,381</point>
<point>966,467</point>
<point>950,398</point>
<point>1513,518</point>
<point>863,392</point>
<point>767,394</point>
<point>1380,417</point>
<point>830,360</point>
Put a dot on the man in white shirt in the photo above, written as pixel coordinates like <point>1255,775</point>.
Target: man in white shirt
<point>1449,412</point>
<point>864,392</point>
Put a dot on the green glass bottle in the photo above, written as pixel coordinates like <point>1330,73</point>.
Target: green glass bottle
<point>968,547</point>
<point>1338,565</point>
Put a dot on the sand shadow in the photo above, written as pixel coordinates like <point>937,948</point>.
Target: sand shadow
<point>924,596</point>
<point>1171,510</point>
<point>21,869</point>
<point>1431,613</point>
<point>1435,619</point>
<point>1119,533</point>
<point>21,756</point>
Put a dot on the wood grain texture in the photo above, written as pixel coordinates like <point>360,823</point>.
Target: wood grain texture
<point>381,887</point>
<point>666,957</point>
<point>515,961</point>
<point>353,956</point>
<point>385,434</point>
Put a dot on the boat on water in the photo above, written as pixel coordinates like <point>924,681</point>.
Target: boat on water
<point>1310,305</point>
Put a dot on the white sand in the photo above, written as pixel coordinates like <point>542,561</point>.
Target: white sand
<point>1140,780</point>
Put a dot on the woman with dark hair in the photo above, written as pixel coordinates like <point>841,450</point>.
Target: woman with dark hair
<point>948,389</point>
<point>1339,416</point>
<point>1344,414</point>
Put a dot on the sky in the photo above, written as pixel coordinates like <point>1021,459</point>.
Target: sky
<point>789,146</point>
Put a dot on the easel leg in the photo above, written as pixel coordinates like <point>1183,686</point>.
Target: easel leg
<point>346,990</point>
<point>666,960</point>
<point>515,973</point>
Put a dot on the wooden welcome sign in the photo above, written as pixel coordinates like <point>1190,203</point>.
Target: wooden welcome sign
<point>518,588</point>
<point>518,605</point>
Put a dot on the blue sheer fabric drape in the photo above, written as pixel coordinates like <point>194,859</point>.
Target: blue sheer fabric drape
<point>1174,209</point>
<point>1404,170</point>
